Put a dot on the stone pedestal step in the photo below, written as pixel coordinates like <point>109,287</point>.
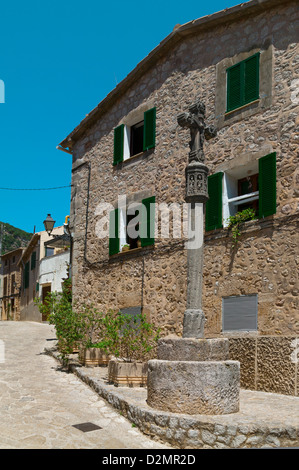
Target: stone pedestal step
<point>194,387</point>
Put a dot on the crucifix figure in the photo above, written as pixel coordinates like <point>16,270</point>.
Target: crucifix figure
<point>196,195</point>
<point>199,131</point>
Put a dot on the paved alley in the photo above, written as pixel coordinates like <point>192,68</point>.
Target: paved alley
<point>40,404</point>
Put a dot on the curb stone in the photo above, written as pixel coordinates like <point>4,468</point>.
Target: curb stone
<point>184,431</point>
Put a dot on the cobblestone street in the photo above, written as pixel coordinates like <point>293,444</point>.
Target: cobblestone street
<point>40,403</point>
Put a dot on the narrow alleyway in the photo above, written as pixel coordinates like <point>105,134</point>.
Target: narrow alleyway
<point>40,404</point>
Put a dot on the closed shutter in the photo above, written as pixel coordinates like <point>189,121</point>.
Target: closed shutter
<point>239,313</point>
<point>267,185</point>
<point>243,83</point>
<point>118,154</point>
<point>214,203</point>
<point>149,129</point>
<point>251,78</point>
<point>133,311</point>
<point>26,276</point>
<point>147,229</point>
<point>33,260</point>
<point>114,232</point>
<point>234,84</point>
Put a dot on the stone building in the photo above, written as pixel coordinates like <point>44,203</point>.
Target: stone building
<point>43,267</point>
<point>243,64</point>
<point>10,285</point>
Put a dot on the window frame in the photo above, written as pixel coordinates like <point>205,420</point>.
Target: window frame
<point>122,148</point>
<point>228,181</point>
<point>230,202</point>
<point>121,214</point>
<point>224,118</point>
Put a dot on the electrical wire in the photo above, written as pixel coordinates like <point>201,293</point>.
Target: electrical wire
<point>34,189</point>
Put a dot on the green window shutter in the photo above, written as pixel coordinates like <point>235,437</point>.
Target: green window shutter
<point>26,276</point>
<point>234,87</point>
<point>33,260</point>
<point>114,232</point>
<point>243,82</point>
<point>267,185</point>
<point>214,203</point>
<point>118,154</point>
<point>147,229</point>
<point>251,78</point>
<point>149,129</point>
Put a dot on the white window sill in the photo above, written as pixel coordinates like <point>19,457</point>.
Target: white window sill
<point>245,198</point>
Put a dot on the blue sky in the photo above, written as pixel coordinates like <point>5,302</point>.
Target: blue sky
<point>58,60</point>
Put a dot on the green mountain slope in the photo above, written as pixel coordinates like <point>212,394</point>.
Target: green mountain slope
<point>12,237</point>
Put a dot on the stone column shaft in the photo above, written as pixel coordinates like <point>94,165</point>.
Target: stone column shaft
<point>193,325</point>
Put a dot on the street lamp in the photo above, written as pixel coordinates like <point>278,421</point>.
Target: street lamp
<point>49,224</point>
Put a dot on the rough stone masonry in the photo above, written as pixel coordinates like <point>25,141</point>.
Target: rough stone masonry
<point>191,62</point>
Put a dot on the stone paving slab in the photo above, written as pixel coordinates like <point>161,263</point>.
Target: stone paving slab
<point>265,420</point>
<point>40,402</point>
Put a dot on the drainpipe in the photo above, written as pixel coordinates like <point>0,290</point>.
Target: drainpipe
<point>67,229</point>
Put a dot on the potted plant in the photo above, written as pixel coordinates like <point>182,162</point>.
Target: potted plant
<point>91,352</point>
<point>133,341</point>
<point>126,247</point>
<point>235,221</point>
<point>57,306</point>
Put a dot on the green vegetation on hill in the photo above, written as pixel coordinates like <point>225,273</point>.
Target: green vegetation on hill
<point>12,237</point>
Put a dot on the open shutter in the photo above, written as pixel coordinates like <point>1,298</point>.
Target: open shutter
<point>149,129</point>
<point>251,78</point>
<point>114,232</point>
<point>147,229</point>
<point>214,203</point>
<point>267,185</point>
<point>118,154</point>
<point>234,87</point>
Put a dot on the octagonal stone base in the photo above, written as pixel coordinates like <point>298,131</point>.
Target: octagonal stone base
<point>173,348</point>
<point>194,387</point>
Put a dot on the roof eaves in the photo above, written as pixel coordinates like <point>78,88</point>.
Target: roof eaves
<point>28,249</point>
<point>210,21</point>
<point>9,253</point>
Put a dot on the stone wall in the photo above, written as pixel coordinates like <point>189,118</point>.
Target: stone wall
<point>267,363</point>
<point>265,261</point>
<point>12,273</point>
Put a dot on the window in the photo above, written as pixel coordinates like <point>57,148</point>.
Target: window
<point>134,227</point>
<point>248,186</point>
<point>49,251</point>
<point>252,185</point>
<point>136,138</point>
<point>243,83</point>
<point>132,240</point>
<point>239,313</point>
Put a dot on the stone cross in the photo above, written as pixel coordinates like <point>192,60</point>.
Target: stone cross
<point>199,131</point>
<point>196,195</point>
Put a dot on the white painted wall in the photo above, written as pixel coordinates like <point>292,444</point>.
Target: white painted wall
<point>53,270</point>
